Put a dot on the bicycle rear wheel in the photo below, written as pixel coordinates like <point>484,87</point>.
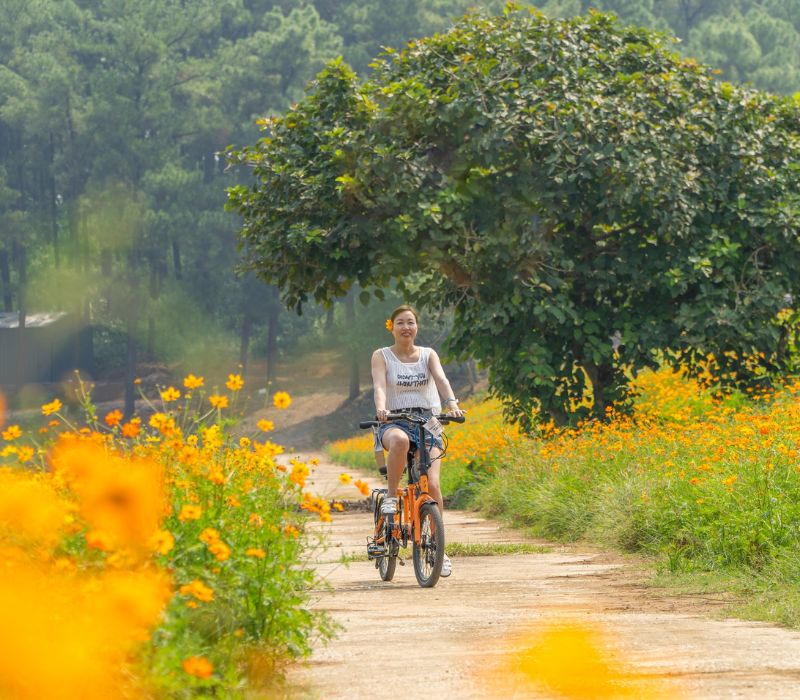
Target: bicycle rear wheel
<point>387,563</point>
<point>428,555</point>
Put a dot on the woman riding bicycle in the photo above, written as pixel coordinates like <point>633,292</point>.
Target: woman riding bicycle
<point>409,378</point>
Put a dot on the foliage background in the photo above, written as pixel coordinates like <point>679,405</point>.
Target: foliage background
<point>113,113</point>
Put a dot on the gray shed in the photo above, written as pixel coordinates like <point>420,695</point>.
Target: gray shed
<point>50,346</point>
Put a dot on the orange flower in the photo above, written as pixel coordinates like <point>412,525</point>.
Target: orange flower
<point>345,478</point>
<point>192,382</point>
<point>12,432</point>
<point>255,552</point>
<point>218,401</point>
<point>220,550</point>
<point>282,400</point>
<point>162,542</point>
<point>265,425</point>
<point>99,540</point>
<point>235,382</point>
<point>190,512</point>
<point>132,428</point>
<point>361,486</point>
<point>209,536</point>
<point>199,590</point>
<point>53,407</point>
<point>338,506</point>
<point>291,531</point>
<point>389,324</point>
<point>198,666</point>
<point>113,418</point>
<point>170,394</point>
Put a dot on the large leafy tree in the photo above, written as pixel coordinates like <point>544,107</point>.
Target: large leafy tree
<point>577,191</point>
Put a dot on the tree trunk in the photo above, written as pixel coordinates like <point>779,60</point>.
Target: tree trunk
<point>22,269</point>
<point>329,319</point>
<point>54,205</point>
<point>176,258</point>
<point>273,320</point>
<point>244,345</point>
<point>600,376</point>
<point>132,315</point>
<point>350,315</point>
<point>5,276</point>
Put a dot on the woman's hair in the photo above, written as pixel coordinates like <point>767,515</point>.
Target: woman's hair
<point>401,309</point>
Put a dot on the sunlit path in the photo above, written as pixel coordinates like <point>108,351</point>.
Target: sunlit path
<point>475,634</point>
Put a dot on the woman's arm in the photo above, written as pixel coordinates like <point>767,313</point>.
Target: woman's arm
<point>379,384</point>
<point>443,385</point>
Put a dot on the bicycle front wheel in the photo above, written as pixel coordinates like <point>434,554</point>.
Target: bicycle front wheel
<point>429,553</point>
<point>387,563</point>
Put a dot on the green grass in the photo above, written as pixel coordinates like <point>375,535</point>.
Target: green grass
<point>495,549</point>
<point>472,549</point>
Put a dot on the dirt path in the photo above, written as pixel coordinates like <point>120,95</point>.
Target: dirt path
<point>475,634</point>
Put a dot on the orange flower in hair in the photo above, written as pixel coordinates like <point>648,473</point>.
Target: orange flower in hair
<point>389,324</point>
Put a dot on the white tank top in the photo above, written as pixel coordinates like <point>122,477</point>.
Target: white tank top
<point>410,384</point>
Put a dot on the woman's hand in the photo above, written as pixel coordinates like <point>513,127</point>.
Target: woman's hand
<point>381,415</point>
<point>453,409</point>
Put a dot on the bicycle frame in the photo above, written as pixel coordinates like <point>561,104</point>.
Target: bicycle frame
<point>414,512</point>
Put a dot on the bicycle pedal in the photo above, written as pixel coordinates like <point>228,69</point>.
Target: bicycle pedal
<point>375,551</point>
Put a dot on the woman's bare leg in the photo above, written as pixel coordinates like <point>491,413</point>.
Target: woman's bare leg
<point>396,443</point>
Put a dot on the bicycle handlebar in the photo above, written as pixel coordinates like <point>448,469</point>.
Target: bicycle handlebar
<point>442,418</point>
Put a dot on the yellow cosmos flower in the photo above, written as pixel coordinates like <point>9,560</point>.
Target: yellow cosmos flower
<point>235,382</point>
<point>12,432</point>
<point>170,394</point>
<point>54,406</point>
<point>218,401</point>
<point>192,382</point>
<point>282,400</point>
<point>345,478</point>
<point>255,552</point>
<point>265,425</point>
<point>190,512</point>
<point>25,454</point>
<point>162,542</point>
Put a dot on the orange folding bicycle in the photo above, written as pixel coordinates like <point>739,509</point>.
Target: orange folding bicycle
<point>418,519</point>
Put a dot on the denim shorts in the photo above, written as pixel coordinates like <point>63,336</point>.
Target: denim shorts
<point>411,430</point>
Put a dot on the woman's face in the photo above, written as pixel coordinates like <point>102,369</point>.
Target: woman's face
<point>404,327</point>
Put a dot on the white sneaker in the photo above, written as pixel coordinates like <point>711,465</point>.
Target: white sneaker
<point>447,567</point>
<point>389,506</point>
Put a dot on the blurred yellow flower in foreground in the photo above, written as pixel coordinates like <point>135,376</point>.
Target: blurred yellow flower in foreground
<point>99,621</point>
<point>281,400</point>
<point>30,509</point>
<point>574,661</point>
<point>122,497</point>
